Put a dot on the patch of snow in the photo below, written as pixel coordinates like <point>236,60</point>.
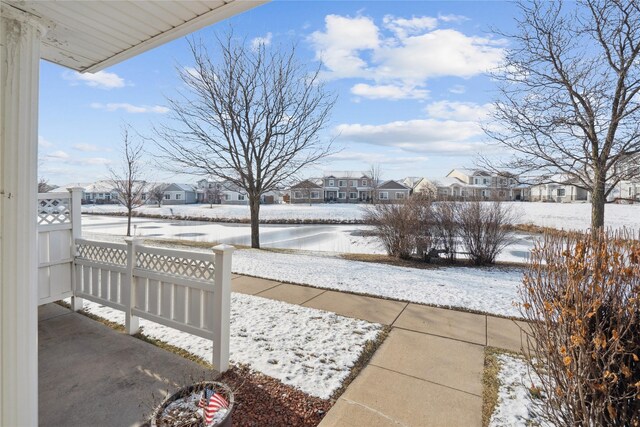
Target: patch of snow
<point>516,407</point>
<point>310,349</point>
<point>488,289</point>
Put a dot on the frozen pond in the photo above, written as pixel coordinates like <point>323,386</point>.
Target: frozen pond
<point>323,238</point>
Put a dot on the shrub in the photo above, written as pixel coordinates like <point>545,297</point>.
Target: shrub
<point>446,227</point>
<point>582,297</point>
<point>484,229</point>
<point>400,226</point>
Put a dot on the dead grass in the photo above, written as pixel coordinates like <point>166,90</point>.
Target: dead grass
<point>490,384</point>
<point>418,263</point>
<point>369,349</point>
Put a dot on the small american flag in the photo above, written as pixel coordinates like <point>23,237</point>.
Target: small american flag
<point>211,402</point>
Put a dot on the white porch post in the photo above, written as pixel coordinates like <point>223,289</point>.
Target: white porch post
<point>20,35</point>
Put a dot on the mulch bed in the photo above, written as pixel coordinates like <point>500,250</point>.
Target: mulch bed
<point>264,401</point>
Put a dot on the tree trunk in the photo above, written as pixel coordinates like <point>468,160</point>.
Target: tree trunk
<point>129,223</point>
<point>597,204</point>
<point>254,207</point>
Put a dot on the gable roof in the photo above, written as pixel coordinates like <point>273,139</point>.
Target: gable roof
<point>179,187</point>
<point>89,36</point>
<point>306,184</point>
<point>392,185</point>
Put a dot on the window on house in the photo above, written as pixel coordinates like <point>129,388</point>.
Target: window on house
<point>144,197</point>
<point>342,183</point>
<point>341,195</point>
<point>210,185</point>
<point>353,195</point>
<point>354,183</point>
<point>384,195</point>
<point>297,194</point>
<point>486,181</point>
<point>364,182</point>
<point>399,195</point>
<point>240,196</point>
<point>107,196</point>
<point>332,183</point>
<point>561,192</point>
<point>226,197</point>
<point>167,196</point>
<point>178,196</point>
<point>315,194</point>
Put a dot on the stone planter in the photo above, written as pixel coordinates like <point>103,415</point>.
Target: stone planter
<point>189,390</point>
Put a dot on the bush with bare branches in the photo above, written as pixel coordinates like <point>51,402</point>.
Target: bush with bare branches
<point>446,227</point>
<point>582,297</point>
<point>400,226</point>
<point>485,229</point>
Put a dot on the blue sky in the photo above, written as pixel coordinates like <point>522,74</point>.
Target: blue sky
<point>410,78</point>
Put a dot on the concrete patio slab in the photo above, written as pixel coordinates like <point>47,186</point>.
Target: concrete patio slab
<point>293,294</point>
<point>361,307</point>
<point>409,401</point>
<point>90,374</point>
<point>443,361</point>
<point>49,311</point>
<point>454,324</point>
<point>506,333</point>
<point>251,285</point>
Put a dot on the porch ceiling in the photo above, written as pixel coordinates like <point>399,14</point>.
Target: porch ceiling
<point>88,36</point>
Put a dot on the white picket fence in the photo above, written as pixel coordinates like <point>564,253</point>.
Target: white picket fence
<point>188,291</point>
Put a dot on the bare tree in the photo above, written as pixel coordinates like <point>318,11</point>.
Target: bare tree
<point>252,119</point>
<point>156,193</point>
<point>569,104</point>
<point>43,185</point>
<point>213,193</point>
<point>127,178</point>
<point>375,176</point>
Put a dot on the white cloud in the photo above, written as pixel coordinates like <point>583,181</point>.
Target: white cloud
<point>101,79</point>
<point>403,27</point>
<point>86,147</point>
<point>403,52</point>
<point>130,108</point>
<point>375,158</point>
<point>452,18</point>
<point>59,154</point>
<point>43,143</point>
<point>340,44</point>
<point>261,41</point>
<point>420,135</point>
<point>391,92</point>
<point>460,111</point>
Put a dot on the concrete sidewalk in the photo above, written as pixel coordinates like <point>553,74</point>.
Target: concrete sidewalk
<point>428,372</point>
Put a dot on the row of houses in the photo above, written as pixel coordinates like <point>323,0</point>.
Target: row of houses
<point>204,191</point>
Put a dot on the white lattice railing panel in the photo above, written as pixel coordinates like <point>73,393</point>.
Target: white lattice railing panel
<point>191,265</point>
<point>107,253</point>
<point>54,209</point>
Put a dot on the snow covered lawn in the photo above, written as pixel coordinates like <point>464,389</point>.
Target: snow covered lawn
<point>568,216</point>
<point>283,212</point>
<point>516,407</point>
<point>490,290</point>
<point>310,349</point>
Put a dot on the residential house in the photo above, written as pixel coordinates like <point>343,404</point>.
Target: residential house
<point>347,187</point>
<point>308,191</point>
<point>563,190</point>
<point>391,190</point>
<point>179,194</point>
<point>628,170</point>
<point>418,185</point>
<point>211,190</point>
<point>479,184</point>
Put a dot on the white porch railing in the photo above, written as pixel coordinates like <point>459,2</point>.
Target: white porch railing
<point>188,291</point>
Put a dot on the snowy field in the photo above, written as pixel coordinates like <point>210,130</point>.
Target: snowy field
<point>312,350</point>
<point>516,407</point>
<point>567,216</point>
<point>490,290</point>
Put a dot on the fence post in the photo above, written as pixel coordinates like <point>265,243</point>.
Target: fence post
<point>131,322</point>
<point>76,233</point>
<point>221,306</point>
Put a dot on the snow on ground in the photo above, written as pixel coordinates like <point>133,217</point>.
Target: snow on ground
<point>568,216</point>
<point>281,212</point>
<point>310,349</point>
<point>516,407</point>
<point>491,290</point>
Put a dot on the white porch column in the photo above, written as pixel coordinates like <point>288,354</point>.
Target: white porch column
<point>20,35</point>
